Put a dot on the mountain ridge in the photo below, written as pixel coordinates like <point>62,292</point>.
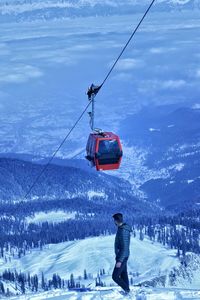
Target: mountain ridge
<point>65,182</point>
<point>32,10</point>
<point>170,140</point>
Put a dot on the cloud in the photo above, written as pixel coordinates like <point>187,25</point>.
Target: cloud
<point>19,73</point>
<point>196,106</point>
<point>160,50</point>
<point>81,47</point>
<point>3,94</point>
<point>198,73</point>
<point>62,59</point>
<point>27,7</point>
<point>4,50</point>
<point>122,76</point>
<point>173,84</point>
<point>156,50</point>
<point>128,64</point>
<point>150,85</point>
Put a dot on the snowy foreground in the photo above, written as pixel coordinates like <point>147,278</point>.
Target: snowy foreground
<point>93,254</point>
<point>105,293</point>
<point>149,260</point>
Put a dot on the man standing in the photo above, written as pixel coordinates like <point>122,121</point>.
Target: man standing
<point>122,244</point>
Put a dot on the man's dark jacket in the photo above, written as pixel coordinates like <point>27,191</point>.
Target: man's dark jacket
<point>122,242</point>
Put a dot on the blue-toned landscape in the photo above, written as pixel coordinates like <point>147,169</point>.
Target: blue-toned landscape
<point>50,53</point>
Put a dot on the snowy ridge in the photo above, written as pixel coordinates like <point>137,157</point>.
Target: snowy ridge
<point>52,217</point>
<point>156,162</point>
<point>146,258</point>
<point>134,159</point>
<point>148,262</point>
<point>64,8</point>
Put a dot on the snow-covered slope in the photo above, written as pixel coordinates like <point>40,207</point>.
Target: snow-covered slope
<point>63,182</point>
<point>161,157</point>
<point>110,293</point>
<point>146,259</point>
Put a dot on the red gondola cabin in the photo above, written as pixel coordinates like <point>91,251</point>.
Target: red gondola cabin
<point>104,150</point>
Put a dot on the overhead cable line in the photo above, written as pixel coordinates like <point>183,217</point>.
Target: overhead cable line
<point>56,151</point>
<point>128,42</point>
<point>80,117</point>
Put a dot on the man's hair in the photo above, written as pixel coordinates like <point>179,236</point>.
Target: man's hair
<point>118,217</point>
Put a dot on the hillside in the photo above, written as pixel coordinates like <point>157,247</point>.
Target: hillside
<point>97,253</point>
<point>58,182</point>
<point>91,190</point>
<point>149,262</point>
<point>160,165</point>
<point>163,154</point>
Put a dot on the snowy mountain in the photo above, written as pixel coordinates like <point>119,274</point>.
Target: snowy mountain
<point>97,253</point>
<point>58,182</point>
<point>166,140</point>
<point>160,164</point>
<point>65,182</point>
<point>149,262</point>
<point>32,10</point>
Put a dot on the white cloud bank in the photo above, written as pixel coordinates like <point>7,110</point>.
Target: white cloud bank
<point>127,64</point>
<point>198,73</point>
<point>173,84</point>
<point>19,73</point>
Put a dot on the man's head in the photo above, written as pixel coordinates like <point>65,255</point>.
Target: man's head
<point>118,219</point>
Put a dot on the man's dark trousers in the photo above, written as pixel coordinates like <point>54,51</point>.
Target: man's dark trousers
<point>120,276</point>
